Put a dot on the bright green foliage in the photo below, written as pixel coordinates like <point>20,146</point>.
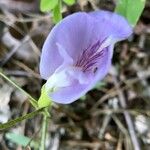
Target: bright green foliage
<point>44,100</point>
<point>47,5</point>
<point>69,2</point>
<point>21,140</point>
<point>55,6</point>
<point>130,9</point>
<point>57,16</point>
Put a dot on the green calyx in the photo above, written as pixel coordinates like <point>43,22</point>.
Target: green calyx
<point>44,100</point>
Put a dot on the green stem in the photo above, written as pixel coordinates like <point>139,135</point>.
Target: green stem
<point>32,100</point>
<point>17,120</point>
<point>44,130</point>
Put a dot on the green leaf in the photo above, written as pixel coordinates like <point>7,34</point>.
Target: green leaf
<point>47,5</point>
<point>130,9</point>
<point>44,100</point>
<point>69,2</point>
<point>20,139</point>
<point>57,16</point>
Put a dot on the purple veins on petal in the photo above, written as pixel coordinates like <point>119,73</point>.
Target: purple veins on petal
<point>78,52</point>
<point>90,57</point>
<point>87,53</point>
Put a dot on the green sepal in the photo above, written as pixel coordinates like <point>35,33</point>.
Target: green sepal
<point>44,100</point>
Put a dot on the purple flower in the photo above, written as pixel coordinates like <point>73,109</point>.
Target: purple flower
<point>78,51</point>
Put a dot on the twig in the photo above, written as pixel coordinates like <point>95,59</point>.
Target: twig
<point>112,92</point>
<point>14,50</point>
<point>18,73</point>
<point>21,6</point>
<point>106,120</point>
<point>32,100</point>
<point>128,119</point>
<point>119,111</point>
<point>54,144</point>
<point>26,68</point>
<point>92,145</point>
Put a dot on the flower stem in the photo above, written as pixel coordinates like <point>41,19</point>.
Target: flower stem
<point>17,120</point>
<point>44,130</point>
<point>32,100</point>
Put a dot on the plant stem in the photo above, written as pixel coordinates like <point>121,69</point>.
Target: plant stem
<point>32,100</point>
<point>44,130</point>
<point>134,139</point>
<point>17,120</point>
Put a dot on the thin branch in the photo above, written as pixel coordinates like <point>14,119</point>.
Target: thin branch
<point>128,119</point>
<point>32,100</point>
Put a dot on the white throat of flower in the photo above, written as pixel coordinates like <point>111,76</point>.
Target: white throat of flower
<point>57,80</point>
<point>66,74</point>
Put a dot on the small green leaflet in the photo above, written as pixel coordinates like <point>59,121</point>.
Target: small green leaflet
<point>57,16</point>
<point>44,100</point>
<point>47,5</point>
<point>130,9</point>
<point>69,2</point>
<point>55,6</point>
<point>20,139</point>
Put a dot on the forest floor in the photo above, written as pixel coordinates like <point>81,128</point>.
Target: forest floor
<point>108,117</point>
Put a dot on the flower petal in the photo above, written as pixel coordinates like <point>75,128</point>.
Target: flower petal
<point>69,94</point>
<point>65,45</point>
<point>113,24</point>
<point>74,33</point>
<point>67,59</point>
<point>73,92</point>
